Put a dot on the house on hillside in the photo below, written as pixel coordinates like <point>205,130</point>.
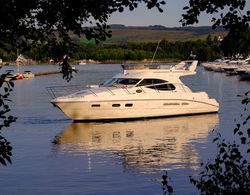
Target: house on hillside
<point>24,60</point>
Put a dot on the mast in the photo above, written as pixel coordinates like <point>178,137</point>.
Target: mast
<point>155,51</point>
<point>19,75</point>
<point>17,61</point>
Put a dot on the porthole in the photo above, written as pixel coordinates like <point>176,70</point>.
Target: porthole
<point>116,105</point>
<point>95,105</point>
<point>128,105</point>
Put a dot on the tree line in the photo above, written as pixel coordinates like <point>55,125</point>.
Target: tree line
<point>208,49</point>
<point>205,50</point>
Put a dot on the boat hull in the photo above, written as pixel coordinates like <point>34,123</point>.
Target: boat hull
<point>133,109</point>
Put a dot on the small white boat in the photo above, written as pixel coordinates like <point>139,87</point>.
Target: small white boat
<point>231,67</point>
<point>73,68</point>
<point>82,62</point>
<point>144,91</point>
<point>216,66</point>
<point>28,74</point>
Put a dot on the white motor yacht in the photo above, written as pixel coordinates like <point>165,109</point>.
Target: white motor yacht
<point>140,91</point>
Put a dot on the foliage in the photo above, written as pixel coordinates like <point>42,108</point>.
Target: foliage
<point>208,49</point>
<point>5,147</point>
<point>28,23</point>
<point>232,14</point>
<point>205,50</point>
<point>166,187</point>
<point>229,172</point>
<point>232,46</point>
<point>66,69</point>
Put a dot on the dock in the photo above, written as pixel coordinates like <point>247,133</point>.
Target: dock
<point>47,73</point>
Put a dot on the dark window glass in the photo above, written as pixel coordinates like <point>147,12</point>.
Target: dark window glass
<point>95,105</point>
<point>151,82</point>
<point>163,87</point>
<point>121,82</point>
<point>127,81</point>
<point>116,105</point>
<point>128,105</point>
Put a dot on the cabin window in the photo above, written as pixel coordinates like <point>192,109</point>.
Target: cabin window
<point>145,82</point>
<point>95,105</point>
<point>127,81</point>
<point>184,103</point>
<point>116,105</point>
<point>163,87</point>
<point>121,82</point>
<point>128,105</point>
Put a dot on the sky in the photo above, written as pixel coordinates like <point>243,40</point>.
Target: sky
<point>169,18</point>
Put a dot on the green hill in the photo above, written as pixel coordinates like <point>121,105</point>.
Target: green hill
<point>123,35</point>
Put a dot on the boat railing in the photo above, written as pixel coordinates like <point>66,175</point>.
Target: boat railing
<point>57,91</point>
<point>140,89</point>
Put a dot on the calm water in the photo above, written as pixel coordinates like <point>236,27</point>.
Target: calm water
<point>110,158</point>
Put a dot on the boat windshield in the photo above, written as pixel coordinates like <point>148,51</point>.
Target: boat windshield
<point>145,82</point>
<point>121,82</point>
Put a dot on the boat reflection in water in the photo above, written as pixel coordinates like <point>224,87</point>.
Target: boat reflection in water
<point>145,145</point>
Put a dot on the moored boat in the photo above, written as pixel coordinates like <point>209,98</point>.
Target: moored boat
<point>144,91</point>
<point>28,74</point>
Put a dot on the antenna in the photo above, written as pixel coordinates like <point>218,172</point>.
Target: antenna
<point>155,51</point>
<point>192,56</point>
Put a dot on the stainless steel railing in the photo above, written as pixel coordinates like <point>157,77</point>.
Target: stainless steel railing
<point>57,91</point>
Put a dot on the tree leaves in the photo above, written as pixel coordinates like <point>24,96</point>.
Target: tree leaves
<point>167,188</point>
<point>229,172</point>
<point>233,19</point>
<point>5,151</point>
<point>5,119</point>
<point>52,22</point>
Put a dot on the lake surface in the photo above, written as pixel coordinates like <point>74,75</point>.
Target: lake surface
<point>52,155</point>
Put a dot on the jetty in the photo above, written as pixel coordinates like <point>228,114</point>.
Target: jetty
<point>47,73</point>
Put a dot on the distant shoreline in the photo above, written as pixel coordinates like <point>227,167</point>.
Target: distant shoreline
<point>74,62</point>
<point>139,61</point>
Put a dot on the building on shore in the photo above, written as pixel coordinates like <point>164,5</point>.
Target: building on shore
<point>24,60</point>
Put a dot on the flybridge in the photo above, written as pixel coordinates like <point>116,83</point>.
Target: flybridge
<point>183,68</point>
